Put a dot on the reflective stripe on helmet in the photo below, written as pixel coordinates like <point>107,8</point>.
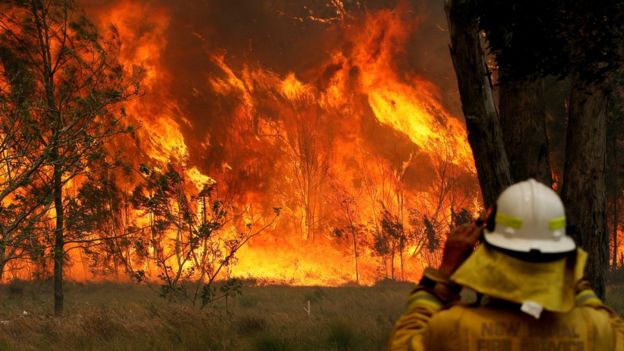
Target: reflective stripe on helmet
<point>509,221</point>
<point>557,223</point>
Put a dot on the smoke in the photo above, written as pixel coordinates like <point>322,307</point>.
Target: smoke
<point>270,97</point>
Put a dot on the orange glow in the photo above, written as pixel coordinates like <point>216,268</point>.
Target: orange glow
<point>332,146</point>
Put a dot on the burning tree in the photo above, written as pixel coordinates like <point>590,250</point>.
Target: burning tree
<point>307,140</point>
<point>350,228</point>
<point>98,225</point>
<point>187,243</point>
<point>75,81</point>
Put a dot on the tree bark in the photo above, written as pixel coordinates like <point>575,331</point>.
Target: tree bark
<point>40,17</point>
<point>58,243</point>
<point>475,88</point>
<point>615,192</point>
<point>615,233</point>
<point>355,256</point>
<point>584,186</point>
<point>523,122</point>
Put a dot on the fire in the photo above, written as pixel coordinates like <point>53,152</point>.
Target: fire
<point>332,145</point>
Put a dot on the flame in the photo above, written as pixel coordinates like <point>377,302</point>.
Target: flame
<point>338,142</point>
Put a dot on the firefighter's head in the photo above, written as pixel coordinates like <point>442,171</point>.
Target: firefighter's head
<point>529,218</point>
<point>527,257</point>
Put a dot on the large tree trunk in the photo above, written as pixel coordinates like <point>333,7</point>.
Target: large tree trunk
<point>614,190</point>
<point>475,88</point>
<point>584,188</point>
<point>523,122</point>
<point>615,234</point>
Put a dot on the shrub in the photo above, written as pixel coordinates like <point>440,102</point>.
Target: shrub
<point>250,325</point>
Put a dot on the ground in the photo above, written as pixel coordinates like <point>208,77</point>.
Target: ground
<point>107,316</point>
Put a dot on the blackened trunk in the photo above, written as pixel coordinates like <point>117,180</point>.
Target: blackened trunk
<point>43,34</point>
<point>615,233</point>
<point>58,242</point>
<point>615,191</point>
<point>584,186</point>
<point>355,257</point>
<point>475,88</point>
<point>523,122</point>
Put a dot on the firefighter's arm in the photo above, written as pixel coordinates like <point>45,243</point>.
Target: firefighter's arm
<point>586,297</point>
<point>435,290</point>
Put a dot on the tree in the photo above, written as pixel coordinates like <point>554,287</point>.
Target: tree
<point>191,244</point>
<point>351,228</point>
<point>78,82</point>
<point>25,195</point>
<point>615,166</point>
<point>529,40</point>
<point>475,87</point>
<point>97,224</point>
<point>390,240</point>
<point>307,143</point>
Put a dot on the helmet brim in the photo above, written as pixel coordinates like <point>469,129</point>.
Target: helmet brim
<point>564,244</point>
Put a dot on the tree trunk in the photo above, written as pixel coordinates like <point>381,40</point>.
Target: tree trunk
<point>392,264</point>
<point>523,122</point>
<point>355,258</point>
<point>584,188</point>
<point>56,124</point>
<point>475,88</point>
<point>615,232</point>
<point>401,262</point>
<point>615,191</point>
<point>58,242</point>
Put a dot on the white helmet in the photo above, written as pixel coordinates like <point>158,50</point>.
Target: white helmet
<point>529,216</point>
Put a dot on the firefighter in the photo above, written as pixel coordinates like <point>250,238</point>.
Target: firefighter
<point>527,275</point>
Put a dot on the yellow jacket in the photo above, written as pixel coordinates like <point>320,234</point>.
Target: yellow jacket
<point>428,326</point>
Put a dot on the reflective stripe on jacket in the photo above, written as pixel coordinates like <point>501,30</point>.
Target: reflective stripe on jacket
<point>426,326</point>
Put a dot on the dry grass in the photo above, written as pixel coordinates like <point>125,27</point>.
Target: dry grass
<point>110,316</point>
<point>129,317</point>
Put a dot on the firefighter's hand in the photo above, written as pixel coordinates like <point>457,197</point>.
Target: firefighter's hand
<point>459,246</point>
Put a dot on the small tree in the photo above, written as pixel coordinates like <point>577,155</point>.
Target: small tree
<point>191,244</point>
<point>77,82</point>
<point>389,241</point>
<point>349,228</point>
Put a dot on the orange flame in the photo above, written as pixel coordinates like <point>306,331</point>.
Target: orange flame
<point>333,145</point>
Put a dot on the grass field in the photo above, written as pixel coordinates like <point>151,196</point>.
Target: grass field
<point>108,316</point>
